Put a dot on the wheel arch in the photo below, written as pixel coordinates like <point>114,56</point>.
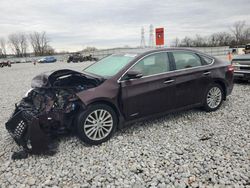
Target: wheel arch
<point>110,104</point>
<point>223,85</point>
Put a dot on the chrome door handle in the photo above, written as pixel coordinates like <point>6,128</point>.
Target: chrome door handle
<point>168,81</point>
<point>206,73</point>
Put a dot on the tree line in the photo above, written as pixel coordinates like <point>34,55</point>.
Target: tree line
<point>239,35</point>
<point>20,42</point>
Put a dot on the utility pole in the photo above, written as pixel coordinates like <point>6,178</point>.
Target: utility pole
<point>142,38</point>
<point>151,36</point>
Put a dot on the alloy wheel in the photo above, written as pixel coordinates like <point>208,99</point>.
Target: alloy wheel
<point>214,97</point>
<point>98,124</point>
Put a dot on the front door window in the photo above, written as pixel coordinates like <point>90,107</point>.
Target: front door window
<point>153,64</point>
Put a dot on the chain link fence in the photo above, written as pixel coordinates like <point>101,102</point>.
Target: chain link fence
<point>214,51</point>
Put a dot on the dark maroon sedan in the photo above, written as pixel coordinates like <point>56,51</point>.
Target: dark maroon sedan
<point>116,90</point>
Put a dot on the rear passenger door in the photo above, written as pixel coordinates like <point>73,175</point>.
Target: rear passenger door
<point>191,78</point>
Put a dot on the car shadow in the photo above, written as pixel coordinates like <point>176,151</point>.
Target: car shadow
<point>242,82</point>
<point>161,119</point>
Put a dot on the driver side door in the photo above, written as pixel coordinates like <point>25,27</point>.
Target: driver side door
<point>153,92</point>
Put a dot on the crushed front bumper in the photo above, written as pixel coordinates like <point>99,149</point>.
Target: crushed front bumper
<point>24,128</point>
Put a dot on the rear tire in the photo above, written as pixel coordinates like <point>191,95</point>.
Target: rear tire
<point>97,124</point>
<point>213,98</point>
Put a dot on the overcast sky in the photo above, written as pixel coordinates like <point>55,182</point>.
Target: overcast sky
<point>75,24</point>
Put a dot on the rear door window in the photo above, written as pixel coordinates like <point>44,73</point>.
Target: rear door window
<point>184,60</point>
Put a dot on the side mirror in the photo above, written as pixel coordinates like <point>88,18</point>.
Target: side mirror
<point>131,74</point>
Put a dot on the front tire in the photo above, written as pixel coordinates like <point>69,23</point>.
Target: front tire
<point>97,124</point>
<point>213,98</point>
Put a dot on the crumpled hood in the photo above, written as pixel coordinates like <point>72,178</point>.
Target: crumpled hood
<point>46,79</point>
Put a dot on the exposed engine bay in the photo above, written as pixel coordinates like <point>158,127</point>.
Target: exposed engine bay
<point>48,110</point>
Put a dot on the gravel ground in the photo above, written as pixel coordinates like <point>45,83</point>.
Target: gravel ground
<point>165,152</point>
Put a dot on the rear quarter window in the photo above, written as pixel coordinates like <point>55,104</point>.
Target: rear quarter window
<point>207,60</point>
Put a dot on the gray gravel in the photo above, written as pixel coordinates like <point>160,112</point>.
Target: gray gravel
<point>188,148</point>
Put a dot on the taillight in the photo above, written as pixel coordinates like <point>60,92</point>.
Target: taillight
<point>230,68</point>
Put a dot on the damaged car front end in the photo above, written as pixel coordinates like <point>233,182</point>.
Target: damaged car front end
<point>48,109</point>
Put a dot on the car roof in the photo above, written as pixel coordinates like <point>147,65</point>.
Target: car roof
<point>145,51</point>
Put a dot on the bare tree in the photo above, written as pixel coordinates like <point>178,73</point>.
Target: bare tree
<point>213,40</point>
<point>247,35</point>
<point>39,43</point>
<point>225,39</point>
<point>176,42</point>
<point>238,30</point>
<point>3,47</point>
<point>240,34</point>
<point>186,42</point>
<point>89,49</point>
<point>49,50</point>
<point>199,41</point>
<point>14,44</point>
<point>220,39</point>
<point>18,43</point>
<point>23,44</point>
